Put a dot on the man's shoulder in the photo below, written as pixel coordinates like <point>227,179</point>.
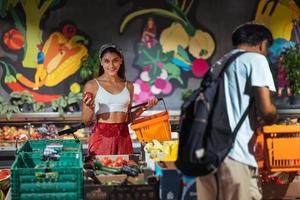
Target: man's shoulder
<point>253,59</point>
<point>253,55</point>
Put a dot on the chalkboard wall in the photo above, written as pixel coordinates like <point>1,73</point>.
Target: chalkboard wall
<point>100,20</point>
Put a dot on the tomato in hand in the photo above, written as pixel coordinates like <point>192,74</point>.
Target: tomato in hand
<point>88,95</point>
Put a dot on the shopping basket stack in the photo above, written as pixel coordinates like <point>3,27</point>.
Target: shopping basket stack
<point>39,176</point>
<point>283,148</point>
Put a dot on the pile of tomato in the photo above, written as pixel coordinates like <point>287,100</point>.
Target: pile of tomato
<point>118,162</point>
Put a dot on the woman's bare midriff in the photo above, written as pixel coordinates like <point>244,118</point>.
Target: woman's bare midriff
<point>112,117</point>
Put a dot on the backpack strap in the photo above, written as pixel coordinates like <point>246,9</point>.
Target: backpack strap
<point>239,124</point>
<point>226,65</point>
<point>229,61</point>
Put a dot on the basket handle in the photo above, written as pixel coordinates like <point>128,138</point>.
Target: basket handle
<point>145,103</point>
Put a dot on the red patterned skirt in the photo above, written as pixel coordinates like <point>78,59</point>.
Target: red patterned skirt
<point>110,138</point>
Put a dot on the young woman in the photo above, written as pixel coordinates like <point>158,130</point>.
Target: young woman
<point>108,99</point>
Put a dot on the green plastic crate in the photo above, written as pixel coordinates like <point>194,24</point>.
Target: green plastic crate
<point>33,178</point>
<point>38,146</point>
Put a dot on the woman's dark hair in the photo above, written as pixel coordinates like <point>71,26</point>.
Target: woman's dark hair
<point>251,34</point>
<point>112,49</point>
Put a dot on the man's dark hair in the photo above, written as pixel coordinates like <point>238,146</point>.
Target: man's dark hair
<point>251,34</point>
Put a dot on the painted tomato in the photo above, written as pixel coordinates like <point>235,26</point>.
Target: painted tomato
<point>13,39</point>
<point>199,67</point>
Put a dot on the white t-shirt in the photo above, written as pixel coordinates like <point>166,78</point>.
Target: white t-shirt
<point>248,70</point>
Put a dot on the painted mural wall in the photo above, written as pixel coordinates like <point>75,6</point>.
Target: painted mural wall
<point>49,47</point>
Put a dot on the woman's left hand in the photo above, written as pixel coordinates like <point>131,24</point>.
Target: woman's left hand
<point>151,102</point>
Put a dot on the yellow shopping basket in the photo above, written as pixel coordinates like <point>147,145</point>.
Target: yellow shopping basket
<point>156,126</point>
<point>283,147</point>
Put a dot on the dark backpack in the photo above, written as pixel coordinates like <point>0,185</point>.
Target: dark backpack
<point>205,136</point>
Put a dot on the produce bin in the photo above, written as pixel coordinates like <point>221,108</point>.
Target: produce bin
<point>147,191</point>
<point>283,147</point>
<point>38,146</point>
<point>32,178</point>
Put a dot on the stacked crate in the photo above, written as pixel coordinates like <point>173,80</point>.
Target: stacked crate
<point>33,177</point>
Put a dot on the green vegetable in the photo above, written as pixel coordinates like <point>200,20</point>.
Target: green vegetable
<point>101,172</point>
<point>112,170</point>
<point>99,166</point>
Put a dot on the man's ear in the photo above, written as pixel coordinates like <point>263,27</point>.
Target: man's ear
<point>263,46</point>
<point>260,46</point>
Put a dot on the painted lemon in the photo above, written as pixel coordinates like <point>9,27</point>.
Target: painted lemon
<point>172,37</point>
<point>75,88</point>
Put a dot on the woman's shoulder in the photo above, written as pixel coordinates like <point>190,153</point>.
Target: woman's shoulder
<point>129,85</point>
<point>91,84</point>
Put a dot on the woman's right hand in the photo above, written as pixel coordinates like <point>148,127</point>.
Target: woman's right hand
<point>88,99</point>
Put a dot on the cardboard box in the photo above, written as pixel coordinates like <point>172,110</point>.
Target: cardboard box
<point>142,187</point>
<point>135,157</point>
<point>169,180</point>
<point>120,192</point>
<point>106,179</point>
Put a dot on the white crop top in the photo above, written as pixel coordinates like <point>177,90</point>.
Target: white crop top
<point>106,102</point>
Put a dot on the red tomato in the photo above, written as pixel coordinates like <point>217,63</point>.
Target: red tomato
<point>116,164</point>
<point>119,159</point>
<point>119,162</point>
<point>131,162</point>
<point>110,165</point>
<point>106,161</point>
<point>88,95</point>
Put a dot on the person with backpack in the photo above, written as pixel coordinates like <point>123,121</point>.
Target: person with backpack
<point>247,78</point>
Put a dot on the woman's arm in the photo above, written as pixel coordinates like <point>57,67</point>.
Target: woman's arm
<point>87,113</point>
<point>132,115</point>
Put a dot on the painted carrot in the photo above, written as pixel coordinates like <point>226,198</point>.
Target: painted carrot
<point>45,98</point>
<point>12,83</point>
<point>26,82</point>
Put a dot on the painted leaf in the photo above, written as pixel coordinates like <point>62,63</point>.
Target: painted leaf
<point>152,56</point>
<point>154,72</point>
<point>182,52</point>
<point>6,5</point>
<point>173,71</point>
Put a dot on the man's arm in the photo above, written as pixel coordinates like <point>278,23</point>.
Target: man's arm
<point>264,104</point>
